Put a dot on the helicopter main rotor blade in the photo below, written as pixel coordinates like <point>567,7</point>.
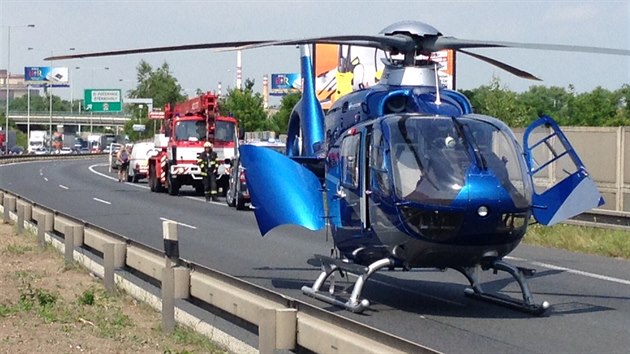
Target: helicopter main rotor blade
<point>387,43</point>
<point>456,43</point>
<point>157,49</point>
<point>512,70</point>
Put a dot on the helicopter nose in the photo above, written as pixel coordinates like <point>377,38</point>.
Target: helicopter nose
<point>436,225</point>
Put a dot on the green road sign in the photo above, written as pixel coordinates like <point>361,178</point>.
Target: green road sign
<point>103,100</point>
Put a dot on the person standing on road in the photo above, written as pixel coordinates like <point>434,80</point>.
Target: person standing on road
<point>123,163</point>
<point>207,161</point>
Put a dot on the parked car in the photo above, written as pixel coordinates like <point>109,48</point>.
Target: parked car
<point>65,151</point>
<point>16,150</point>
<point>41,151</point>
<point>139,161</point>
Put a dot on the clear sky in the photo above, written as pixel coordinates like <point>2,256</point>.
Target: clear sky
<point>108,25</point>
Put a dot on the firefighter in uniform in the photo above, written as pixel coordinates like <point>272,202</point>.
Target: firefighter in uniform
<point>208,162</point>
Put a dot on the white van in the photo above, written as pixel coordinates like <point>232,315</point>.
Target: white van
<point>139,160</point>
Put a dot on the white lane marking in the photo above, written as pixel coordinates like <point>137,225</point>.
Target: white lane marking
<point>199,199</point>
<point>574,271</point>
<point>46,179</point>
<point>586,274</point>
<point>91,168</point>
<point>63,187</point>
<point>180,223</point>
<point>102,201</point>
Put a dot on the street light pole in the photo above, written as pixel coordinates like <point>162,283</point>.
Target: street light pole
<point>6,105</point>
<point>50,96</point>
<point>6,113</point>
<point>28,114</point>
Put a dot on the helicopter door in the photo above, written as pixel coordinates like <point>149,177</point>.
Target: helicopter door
<point>365,178</point>
<point>350,180</point>
<point>562,186</point>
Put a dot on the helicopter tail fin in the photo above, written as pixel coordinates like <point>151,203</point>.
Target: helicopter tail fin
<point>281,190</point>
<point>573,192</point>
<point>306,123</point>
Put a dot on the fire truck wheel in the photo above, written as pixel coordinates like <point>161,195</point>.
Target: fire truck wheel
<point>152,179</point>
<point>173,185</point>
<point>229,198</point>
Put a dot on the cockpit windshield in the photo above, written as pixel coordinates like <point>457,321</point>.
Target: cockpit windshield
<point>190,130</point>
<point>431,157</point>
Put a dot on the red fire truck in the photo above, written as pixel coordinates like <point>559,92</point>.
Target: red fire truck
<point>185,127</point>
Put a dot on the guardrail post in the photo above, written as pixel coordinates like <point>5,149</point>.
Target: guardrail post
<point>44,224</point>
<point>28,211</point>
<point>9,205</point>
<point>108,266</point>
<point>20,218</point>
<point>171,250</point>
<point>68,237</point>
<point>277,329</point>
<point>267,331</point>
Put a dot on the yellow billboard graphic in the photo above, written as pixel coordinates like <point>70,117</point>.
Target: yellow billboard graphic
<point>341,69</point>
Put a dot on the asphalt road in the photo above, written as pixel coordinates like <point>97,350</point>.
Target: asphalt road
<point>590,295</point>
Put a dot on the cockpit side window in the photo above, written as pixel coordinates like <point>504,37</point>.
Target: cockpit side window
<point>378,163</point>
<point>350,160</point>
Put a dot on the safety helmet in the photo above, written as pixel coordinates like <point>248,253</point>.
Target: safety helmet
<point>207,144</point>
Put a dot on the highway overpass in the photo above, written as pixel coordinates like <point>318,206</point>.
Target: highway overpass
<point>82,121</point>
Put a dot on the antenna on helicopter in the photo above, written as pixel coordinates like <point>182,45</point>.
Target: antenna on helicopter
<point>438,101</point>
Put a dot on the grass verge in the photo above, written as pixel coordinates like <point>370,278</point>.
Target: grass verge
<point>590,240</point>
<point>48,306</point>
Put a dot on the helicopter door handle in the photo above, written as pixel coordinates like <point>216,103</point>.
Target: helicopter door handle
<point>340,194</point>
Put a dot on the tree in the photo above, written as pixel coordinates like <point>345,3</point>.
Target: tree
<point>281,119</point>
<point>552,101</point>
<point>595,108</point>
<point>499,102</point>
<point>247,107</point>
<point>161,86</point>
<point>39,104</point>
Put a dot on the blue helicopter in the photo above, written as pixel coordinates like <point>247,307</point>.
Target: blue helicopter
<point>411,177</point>
<point>406,175</point>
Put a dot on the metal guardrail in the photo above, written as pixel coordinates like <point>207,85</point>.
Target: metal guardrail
<point>4,159</point>
<point>604,219</point>
<point>326,329</point>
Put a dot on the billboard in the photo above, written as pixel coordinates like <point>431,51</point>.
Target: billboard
<point>46,76</point>
<point>103,100</point>
<point>341,69</point>
<point>281,84</point>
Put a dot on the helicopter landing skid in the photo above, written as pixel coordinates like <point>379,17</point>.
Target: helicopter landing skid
<point>329,267</point>
<point>518,273</point>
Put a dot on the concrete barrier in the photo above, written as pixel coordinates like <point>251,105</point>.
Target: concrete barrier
<point>62,224</point>
<point>229,298</point>
<point>145,262</point>
<point>324,337</point>
<point>97,241</point>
